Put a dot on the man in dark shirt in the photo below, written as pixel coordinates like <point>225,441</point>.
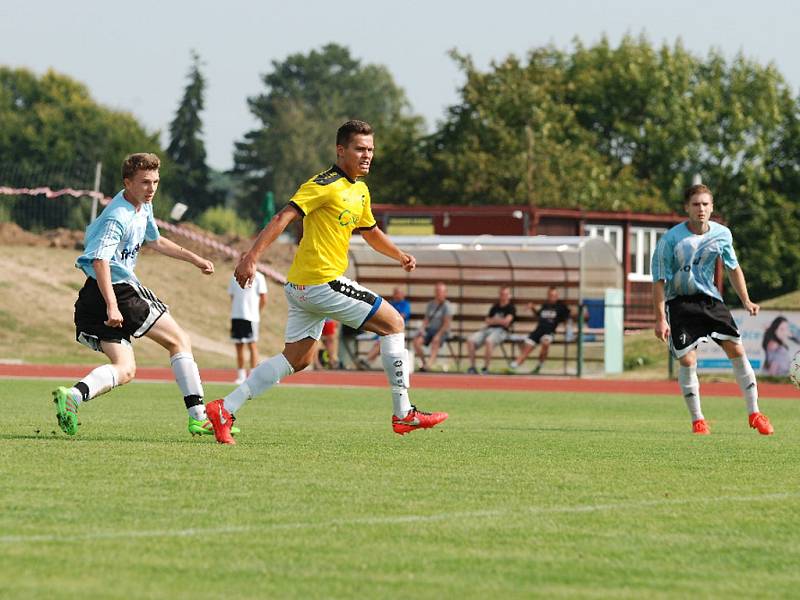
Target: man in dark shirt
<point>498,321</point>
<point>551,314</point>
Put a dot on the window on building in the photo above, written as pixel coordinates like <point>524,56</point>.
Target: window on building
<point>610,233</point>
<point>642,246</point>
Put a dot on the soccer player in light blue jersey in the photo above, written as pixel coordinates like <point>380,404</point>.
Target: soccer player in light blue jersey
<point>114,306</point>
<point>689,308</point>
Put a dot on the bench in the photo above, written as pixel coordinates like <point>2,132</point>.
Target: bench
<point>470,312</point>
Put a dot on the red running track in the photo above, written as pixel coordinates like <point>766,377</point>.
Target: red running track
<point>525,383</point>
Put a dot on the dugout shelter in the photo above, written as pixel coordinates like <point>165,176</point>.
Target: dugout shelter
<point>475,267</point>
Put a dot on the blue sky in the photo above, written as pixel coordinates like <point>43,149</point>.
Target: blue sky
<point>136,59</point>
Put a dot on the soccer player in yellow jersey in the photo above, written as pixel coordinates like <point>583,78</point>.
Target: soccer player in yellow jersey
<point>332,204</point>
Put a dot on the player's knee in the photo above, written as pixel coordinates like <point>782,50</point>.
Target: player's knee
<point>395,324</point>
<point>125,372</point>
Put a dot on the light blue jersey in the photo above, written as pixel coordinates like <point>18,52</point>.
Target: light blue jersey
<point>117,236</point>
<point>686,262</point>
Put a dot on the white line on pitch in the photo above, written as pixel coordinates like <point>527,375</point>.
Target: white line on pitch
<point>204,531</point>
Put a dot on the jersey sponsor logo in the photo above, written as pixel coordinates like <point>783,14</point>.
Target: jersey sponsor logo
<point>347,218</point>
<point>687,268</point>
<point>130,252</point>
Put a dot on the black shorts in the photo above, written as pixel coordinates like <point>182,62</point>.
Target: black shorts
<point>139,306</point>
<point>698,318</point>
<point>542,331</point>
<point>242,331</point>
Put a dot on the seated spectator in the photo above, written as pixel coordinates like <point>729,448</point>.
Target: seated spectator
<point>498,321</point>
<point>550,315</point>
<point>435,326</point>
<point>402,306</point>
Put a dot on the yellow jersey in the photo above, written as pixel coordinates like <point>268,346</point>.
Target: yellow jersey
<point>332,206</point>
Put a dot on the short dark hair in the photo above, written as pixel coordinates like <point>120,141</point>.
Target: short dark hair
<point>694,190</point>
<point>141,161</point>
<point>353,127</point>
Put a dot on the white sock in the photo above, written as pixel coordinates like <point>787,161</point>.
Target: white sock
<point>76,394</point>
<point>241,374</point>
<point>394,357</point>
<point>746,379</point>
<point>197,412</point>
<point>99,381</point>
<point>263,377</point>
<point>690,388</point>
<point>187,375</point>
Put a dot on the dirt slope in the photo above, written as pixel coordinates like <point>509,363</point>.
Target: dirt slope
<point>39,284</point>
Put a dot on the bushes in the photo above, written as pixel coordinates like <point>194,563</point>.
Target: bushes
<point>223,221</point>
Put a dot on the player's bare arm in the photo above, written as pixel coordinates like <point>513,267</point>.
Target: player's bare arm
<point>169,248</point>
<point>661,327</point>
<point>103,272</point>
<point>245,271</point>
<point>380,242</point>
<point>739,284</point>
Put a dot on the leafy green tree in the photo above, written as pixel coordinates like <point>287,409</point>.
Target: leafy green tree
<point>515,138</point>
<point>628,127</point>
<point>307,97</point>
<point>187,150</point>
<point>53,133</point>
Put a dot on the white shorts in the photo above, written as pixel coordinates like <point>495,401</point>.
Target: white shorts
<point>342,299</point>
<point>497,335</point>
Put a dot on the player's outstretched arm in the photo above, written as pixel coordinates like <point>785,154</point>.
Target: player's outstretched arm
<point>736,277</point>
<point>173,250</point>
<point>380,242</point>
<point>245,271</point>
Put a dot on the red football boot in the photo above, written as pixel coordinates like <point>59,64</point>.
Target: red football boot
<point>761,422</point>
<point>221,420</point>
<point>416,419</point>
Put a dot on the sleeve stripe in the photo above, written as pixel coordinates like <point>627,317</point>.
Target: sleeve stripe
<point>297,208</point>
<point>373,226</point>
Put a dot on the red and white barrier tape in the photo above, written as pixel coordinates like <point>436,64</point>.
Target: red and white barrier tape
<point>50,193</point>
<point>176,229</point>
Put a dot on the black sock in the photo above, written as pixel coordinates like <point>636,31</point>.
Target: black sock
<point>83,389</point>
<point>192,400</point>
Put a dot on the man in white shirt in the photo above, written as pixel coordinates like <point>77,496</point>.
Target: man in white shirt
<point>246,307</point>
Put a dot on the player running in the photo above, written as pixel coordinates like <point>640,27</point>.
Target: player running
<point>113,305</point>
<point>689,308</point>
<point>331,204</point>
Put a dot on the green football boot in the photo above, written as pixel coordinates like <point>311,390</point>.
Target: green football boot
<point>66,411</point>
<point>204,427</point>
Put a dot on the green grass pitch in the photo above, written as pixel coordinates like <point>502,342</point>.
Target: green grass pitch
<point>517,495</point>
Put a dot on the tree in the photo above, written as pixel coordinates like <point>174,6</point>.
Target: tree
<point>307,98</point>
<point>627,128</point>
<point>515,138</point>
<point>53,133</point>
<point>186,148</point>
